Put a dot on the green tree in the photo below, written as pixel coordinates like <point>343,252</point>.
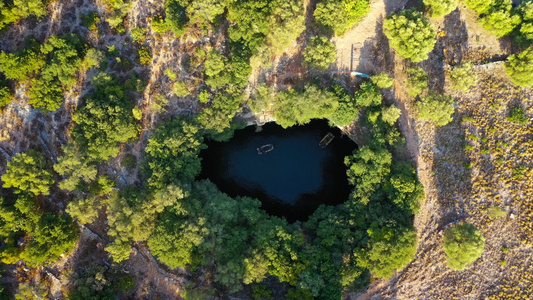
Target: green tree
<point>368,95</point>
<point>23,64</point>
<point>410,34</point>
<point>519,68</point>
<point>6,95</point>
<point>417,81</point>
<point>462,77</point>
<point>119,9</point>
<point>28,172</point>
<point>84,210</point>
<point>463,244</point>
<point>104,120</point>
<point>74,165</point>
<point>172,153</point>
<point>13,11</point>
<point>390,114</point>
<point>320,52</point>
<point>347,111</point>
<point>340,15</point>
<point>367,170</point>
<point>479,6</point>
<point>389,249</point>
<point>440,8</point>
<point>525,9</point>
<point>206,10</point>
<point>437,108</point>
<point>500,20</point>
<point>382,80</point>
<point>518,115</point>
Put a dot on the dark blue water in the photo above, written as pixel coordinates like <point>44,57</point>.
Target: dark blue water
<point>292,180</point>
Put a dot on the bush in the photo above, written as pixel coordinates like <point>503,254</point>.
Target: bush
<point>499,20</point>
<point>144,54</point>
<point>519,68</point>
<point>340,15</point>
<point>368,95</point>
<point>436,108</point>
<point>28,172</point>
<point>319,53</point>
<point>390,114</point>
<point>180,89</point>
<point>440,8</point>
<point>517,115</point>
<point>463,244</point>
<point>91,21</point>
<point>479,6</point>
<point>138,34</point>
<point>410,34</point>
<point>525,9</point>
<point>462,77</point>
<point>417,81</point>
<point>495,212</point>
<point>347,111</point>
<point>5,94</point>
<point>382,80</point>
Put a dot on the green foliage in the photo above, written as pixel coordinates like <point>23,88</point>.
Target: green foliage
<point>137,113</point>
<point>440,8</point>
<point>74,165</point>
<point>6,95</point>
<point>500,20</point>
<point>104,120</point>
<point>144,55</point>
<point>436,108</point>
<point>262,99</point>
<point>517,115</point>
<point>93,58</point>
<point>525,9</point>
<point>261,292</point>
<point>319,53</point>
<point>101,186</point>
<point>172,153</point>
<point>340,15</point>
<point>13,11</point>
<point>417,81</point>
<point>180,89</point>
<point>23,64</point>
<point>129,161</point>
<point>138,34</point>
<point>298,294</point>
<point>390,114</point>
<point>203,97</point>
<point>217,117</point>
<point>462,77</point>
<point>463,244</point>
<point>91,21</point>
<point>479,6</point>
<point>388,250</point>
<point>347,111</point>
<point>382,80</point>
<point>28,292</point>
<point>119,9</point>
<point>403,188</point>
<point>367,170</point>
<point>221,71</point>
<point>91,284</point>
<point>292,107</point>
<point>175,18</point>
<point>28,172</point>
<point>495,212</point>
<point>266,28</point>
<point>519,68</point>
<point>124,283</point>
<point>410,34</point>
<point>368,95</point>
<point>206,10</point>
<point>84,210</point>
<point>171,74</point>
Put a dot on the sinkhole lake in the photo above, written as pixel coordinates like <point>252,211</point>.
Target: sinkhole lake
<point>292,180</point>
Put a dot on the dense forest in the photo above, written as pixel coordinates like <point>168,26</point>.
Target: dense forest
<point>224,245</point>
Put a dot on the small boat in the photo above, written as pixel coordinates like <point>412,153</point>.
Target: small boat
<point>326,140</point>
<point>265,148</point>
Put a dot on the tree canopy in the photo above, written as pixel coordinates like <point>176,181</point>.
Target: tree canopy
<point>440,8</point>
<point>410,34</point>
<point>320,52</point>
<point>463,244</point>
<point>519,68</point>
<point>437,108</point>
<point>29,172</point>
<point>340,15</point>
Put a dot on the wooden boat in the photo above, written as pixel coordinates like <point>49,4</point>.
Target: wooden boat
<point>326,140</point>
<point>265,148</point>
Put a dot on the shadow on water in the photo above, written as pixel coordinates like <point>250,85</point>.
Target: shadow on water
<point>292,180</point>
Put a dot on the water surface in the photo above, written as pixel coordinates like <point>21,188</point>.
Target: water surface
<point>292,180</point>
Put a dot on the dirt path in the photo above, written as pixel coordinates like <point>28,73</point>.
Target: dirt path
<point>361,36</point>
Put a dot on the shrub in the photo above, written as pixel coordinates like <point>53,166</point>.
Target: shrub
<point>91,21</point>
<point>440,8</point>
<point>436,108</point>
<point>390,114</point>
<point>347,111</point>
<point>28,172</point>
<point>410,34</point>
<point>382,80</point>
<point>368,95</point>
<point>417,81</point>
<point>340,15</point>
<point>203,97</point>
<point>519,68</point>
<point>517,115</point>
<point>144,54</point>
<point>159,103</point>
<point>5,94</point>
<point>462,77</point>
<point>180,89</point>
<point>171,74</point>
<point>320,52</point>
<point>463,244</point>
<point>495,212</point>
<point>129,161</point>
<point>138,34</point>
<point>176,18</point>
<point>479,6</point>
<point>499,20</point>
<point>525,9</point>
